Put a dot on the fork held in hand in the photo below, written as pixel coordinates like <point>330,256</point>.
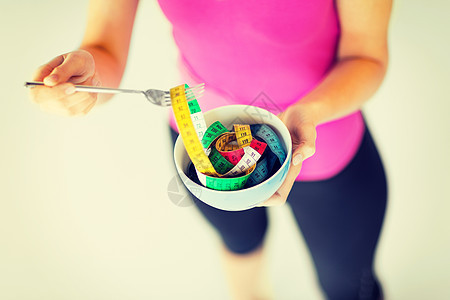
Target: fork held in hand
<point>158,97</point>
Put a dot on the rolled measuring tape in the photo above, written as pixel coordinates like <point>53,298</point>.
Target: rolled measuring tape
<point>227,149</point>
<point>260,173</point>
<point>236,177</point>
<point>223,160</point>
<point>220,164</point>
<point>212,133</point>
<point>265,168</point>
<point>270,137</point>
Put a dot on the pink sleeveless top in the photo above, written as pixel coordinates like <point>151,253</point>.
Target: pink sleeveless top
<point>267,53</point>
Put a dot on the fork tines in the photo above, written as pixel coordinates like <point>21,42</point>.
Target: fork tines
<point>194,92</point>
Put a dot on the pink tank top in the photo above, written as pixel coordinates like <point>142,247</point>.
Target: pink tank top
<point>265,53</point>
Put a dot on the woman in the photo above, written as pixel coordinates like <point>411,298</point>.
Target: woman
<point>318,62</point>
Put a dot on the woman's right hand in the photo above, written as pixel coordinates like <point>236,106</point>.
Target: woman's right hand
<point>58,96</point>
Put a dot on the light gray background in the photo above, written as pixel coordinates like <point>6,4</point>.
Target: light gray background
<point>84,211</point>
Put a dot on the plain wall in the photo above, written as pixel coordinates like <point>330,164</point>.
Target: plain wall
<point>84,207</point>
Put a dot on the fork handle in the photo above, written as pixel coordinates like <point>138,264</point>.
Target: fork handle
<point>90,89</point>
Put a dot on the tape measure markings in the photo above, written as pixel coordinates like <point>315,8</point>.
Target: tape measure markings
<point>233,156</point>
<point>252,153</point>
<point>188,133</point>
<point>225,184</point>
<point>258,146</point>
<point>197,119</point>
<point>243,135</point>
<point>212,133</point>
<point>259,174</point>
<point>220,164</point>
<point>249,159</point>
<point>269,136</point>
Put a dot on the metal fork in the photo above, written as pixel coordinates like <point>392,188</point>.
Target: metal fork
<point>158,97</point>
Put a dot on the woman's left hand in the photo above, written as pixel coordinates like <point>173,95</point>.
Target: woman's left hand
<point>299,119</point>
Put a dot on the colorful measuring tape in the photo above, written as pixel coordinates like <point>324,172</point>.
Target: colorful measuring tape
<point>187,131</point>
<point>271,138</point>
<point>232,176</point>
<point>224,160</point>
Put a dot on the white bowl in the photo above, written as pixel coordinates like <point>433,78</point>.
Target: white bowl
<point>245,198</point>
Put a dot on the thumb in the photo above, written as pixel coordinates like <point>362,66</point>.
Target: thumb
<point>302,152</point>
<point>70,65</point>
<point>297,157</point>
<point>304,143</point>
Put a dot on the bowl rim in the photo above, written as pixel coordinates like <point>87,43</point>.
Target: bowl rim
<point>287,159</point>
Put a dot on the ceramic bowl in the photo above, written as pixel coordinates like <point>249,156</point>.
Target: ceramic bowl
<point>248,197</point>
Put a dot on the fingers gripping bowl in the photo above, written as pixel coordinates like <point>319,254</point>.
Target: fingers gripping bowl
<point>248,197</point>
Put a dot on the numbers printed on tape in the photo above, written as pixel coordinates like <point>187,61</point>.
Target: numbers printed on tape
<point>230,153</point>
<point>269,136</point>
<point>212,133</point>
<point>220,164</point>
<point>243,135</point>
<point>186,127</point>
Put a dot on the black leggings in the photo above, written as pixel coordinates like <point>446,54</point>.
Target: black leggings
<point>340,219</point>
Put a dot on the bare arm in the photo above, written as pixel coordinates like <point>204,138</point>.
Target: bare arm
<point>107,37</point>
<point>100,60</point>
<point>360,68</point>
<point>362,60</point>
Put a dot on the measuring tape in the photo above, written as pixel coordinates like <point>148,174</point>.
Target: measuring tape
<point>270,137</point>
<point>187,131</point>
<point>224,183</point>
<point>227,149</point>
<point>243,135</point>
<point>224,160</point>
<point>232,176</point>
<point>260,173</point>
<point>197,118</point>
<point>212,133</point>
<point>220,164</point>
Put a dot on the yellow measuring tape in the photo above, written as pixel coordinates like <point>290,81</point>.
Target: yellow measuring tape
<point>186,127</point>
<point>243,135</point>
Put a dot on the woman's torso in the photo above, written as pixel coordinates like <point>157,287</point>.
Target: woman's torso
<point>268,54</point>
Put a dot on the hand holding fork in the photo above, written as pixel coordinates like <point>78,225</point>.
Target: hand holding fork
<point>54,90</point>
